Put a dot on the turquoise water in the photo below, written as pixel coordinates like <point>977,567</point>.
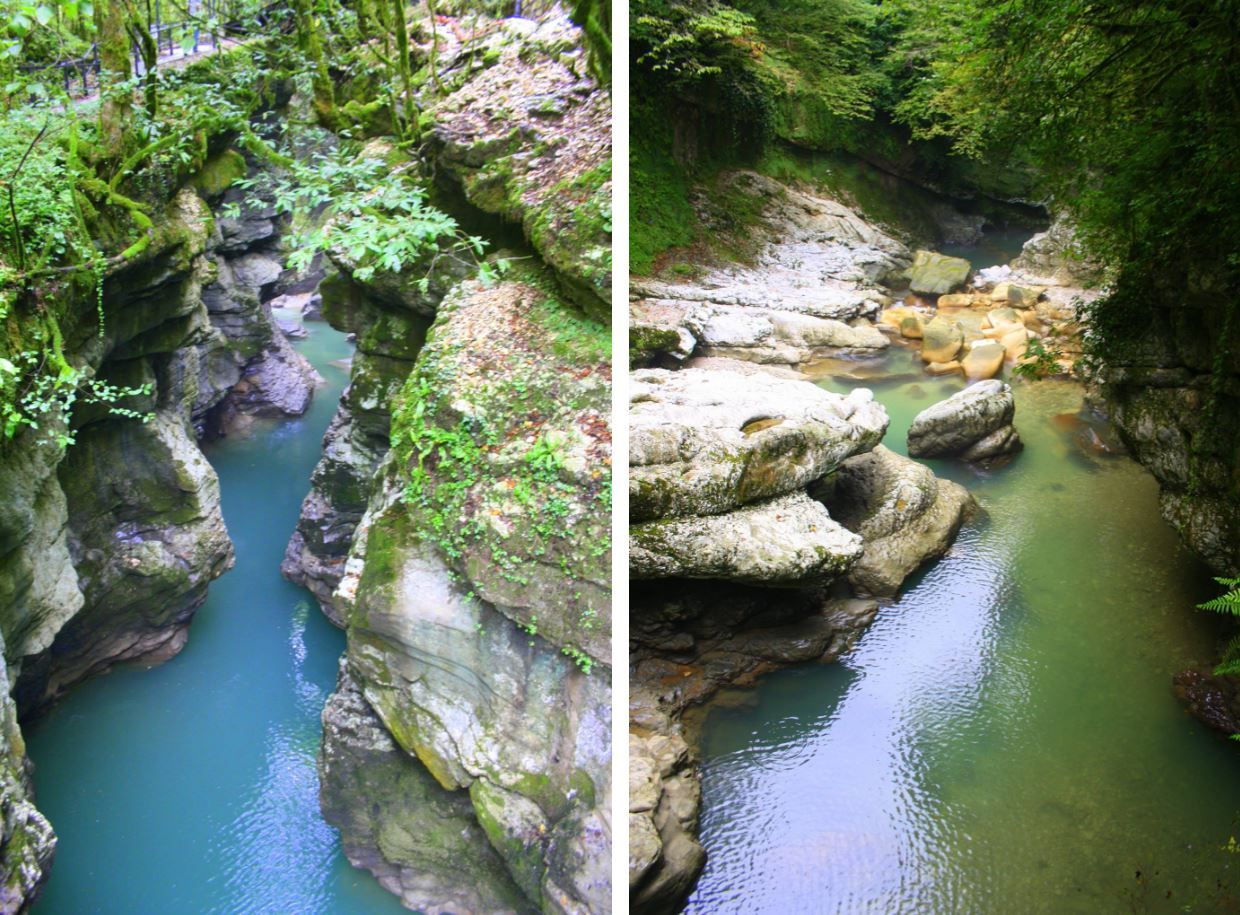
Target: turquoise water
<point>1004,738</point>
<point>191,788</point>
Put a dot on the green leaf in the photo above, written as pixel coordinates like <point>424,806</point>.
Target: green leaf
<point>43,14</point>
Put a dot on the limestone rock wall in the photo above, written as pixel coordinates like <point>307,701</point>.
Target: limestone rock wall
<point>1176,403</point>
<point>458,523</point>
<point>107,546</point>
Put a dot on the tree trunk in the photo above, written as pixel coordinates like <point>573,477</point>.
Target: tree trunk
<point>116,95</point>
<point>402,61</point>
<point>312,46</point>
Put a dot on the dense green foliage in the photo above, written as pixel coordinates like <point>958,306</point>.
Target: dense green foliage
<point>86,171</point>
<point>1131,113</point>
<point>717,85</point>
<point>1126,112</point>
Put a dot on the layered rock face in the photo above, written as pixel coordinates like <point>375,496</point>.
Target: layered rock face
<point>720,461</point>
<point>458,524</point>
<point>390,332</point>
<point>1173,397</point>
<point>419,822</point>
<point>107,546</point>
<point>764,513</point>
<point>803,298</point>
<point>903,514</point>
<point>478,621</point>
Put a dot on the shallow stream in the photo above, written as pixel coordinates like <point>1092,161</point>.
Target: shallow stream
<point>191,787</point>
<point>1004,738</point>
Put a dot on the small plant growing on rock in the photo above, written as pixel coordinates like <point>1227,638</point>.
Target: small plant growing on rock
<point>1039,361</point>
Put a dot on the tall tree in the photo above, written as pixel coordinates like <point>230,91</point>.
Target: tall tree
<point>116,93</point>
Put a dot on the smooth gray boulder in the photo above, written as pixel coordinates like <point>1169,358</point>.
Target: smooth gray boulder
<point>706,441</point>
<point>790,540</point>
<point>903,513</point>
<point>975,424</point>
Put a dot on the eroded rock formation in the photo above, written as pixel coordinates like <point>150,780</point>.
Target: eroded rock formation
<point>458,524</point>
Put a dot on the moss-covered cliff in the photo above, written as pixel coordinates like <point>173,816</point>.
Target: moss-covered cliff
<point>458,524</point>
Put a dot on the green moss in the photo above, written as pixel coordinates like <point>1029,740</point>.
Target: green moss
<point>661,216</point>
<point>219,172</point>
<point>646,342</point>
<point>485,457</point>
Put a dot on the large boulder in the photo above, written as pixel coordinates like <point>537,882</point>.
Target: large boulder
<point>788,540</point>
<point>902,512</point>
<point>983,360</point>
<point>975,424</point>
<point>705,441</point>
<point>936,274</point>
<point>941,340</point>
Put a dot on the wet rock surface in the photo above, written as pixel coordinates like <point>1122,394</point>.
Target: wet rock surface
<point>788,540</point>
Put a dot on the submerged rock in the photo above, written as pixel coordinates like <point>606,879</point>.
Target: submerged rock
<point>786,541</point>
<point>706,441</point>
<point>1211,699</point>
<point>975,424</point>
<point>903,514</point>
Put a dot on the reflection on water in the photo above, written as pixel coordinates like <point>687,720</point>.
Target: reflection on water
<point>191,788</point>
<point>1004,738</point>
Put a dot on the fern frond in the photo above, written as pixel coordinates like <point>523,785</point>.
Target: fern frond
<point>1227,603</point>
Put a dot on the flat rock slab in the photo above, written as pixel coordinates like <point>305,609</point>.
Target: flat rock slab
<point>776,337</point>
<point>976,424</point>
<point>706,441</point>
<point>787,541</point>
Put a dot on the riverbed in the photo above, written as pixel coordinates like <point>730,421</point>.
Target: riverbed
<point>192,787</point>
<point>1004,738</point>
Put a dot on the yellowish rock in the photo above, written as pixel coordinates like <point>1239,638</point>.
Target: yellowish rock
<point>958,300</point>
<point>941,340</point>
<point>893,316</point>
<point>983,360</point>
<point>912,327</point>
<point>1032,321</point>
<point>943,368</point>
<point>1005,320</point>
<point>1015,342</point>
<point>1016,295</point>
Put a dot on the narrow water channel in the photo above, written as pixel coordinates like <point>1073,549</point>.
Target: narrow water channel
<point>1004,738</point>
<point>191,787</point>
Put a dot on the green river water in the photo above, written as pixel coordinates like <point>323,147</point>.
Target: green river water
<point>1004,738</point>
<point>191,788</point>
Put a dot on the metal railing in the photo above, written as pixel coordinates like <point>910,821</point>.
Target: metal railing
<point>80,75</point>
